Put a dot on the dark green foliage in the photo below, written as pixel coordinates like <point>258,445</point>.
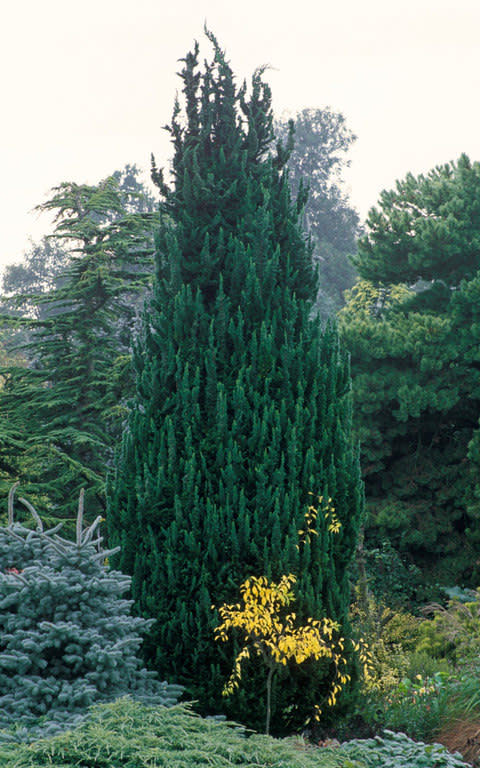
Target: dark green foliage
<point>242,406</point>
<point>412,327</point>
<point>67,638</point>
<point>322,140</point>
<point>427,228</point>
<point>64,401</point>
<point>394,577</point>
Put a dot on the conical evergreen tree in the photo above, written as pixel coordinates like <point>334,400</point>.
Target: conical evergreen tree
<point>242,405</point>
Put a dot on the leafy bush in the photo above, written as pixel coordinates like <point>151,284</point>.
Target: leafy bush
<point>391,578</point>
<point>404,689</point>
<point>454,630</point>
<point>422,663</point>
<point>390,635</point>
<point>268,632</point>
<point>417,706</point>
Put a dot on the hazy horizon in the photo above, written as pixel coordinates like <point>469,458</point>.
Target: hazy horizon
<point>87,89</point>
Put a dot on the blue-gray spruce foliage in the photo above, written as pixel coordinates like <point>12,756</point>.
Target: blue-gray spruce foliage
<point>67,639</point>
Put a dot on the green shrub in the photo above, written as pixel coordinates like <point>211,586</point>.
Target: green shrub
<point>127,734</point>
<point>417,706</point>
<point>454,630</point>
<point>393,579</point>
<point>390,636</point>
<point>465,691</point>
<point>422,663</point>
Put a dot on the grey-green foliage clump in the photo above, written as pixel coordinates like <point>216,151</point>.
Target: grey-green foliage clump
<point>396,750</point>
<point>67,639</point>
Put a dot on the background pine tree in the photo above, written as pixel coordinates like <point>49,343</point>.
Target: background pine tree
<point>412,327</point>
<point>242,406</point>
<point>61,404</point>
<point>319,156</point>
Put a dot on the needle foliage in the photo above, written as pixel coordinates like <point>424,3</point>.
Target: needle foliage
<point>242,404</point>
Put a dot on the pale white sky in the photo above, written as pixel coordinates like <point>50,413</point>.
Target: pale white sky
<point>86,86</point>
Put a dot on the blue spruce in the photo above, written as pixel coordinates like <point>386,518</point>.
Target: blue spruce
<point>67,639</point>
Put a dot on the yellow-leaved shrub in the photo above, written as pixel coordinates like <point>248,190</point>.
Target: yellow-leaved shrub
<point>270,633</point>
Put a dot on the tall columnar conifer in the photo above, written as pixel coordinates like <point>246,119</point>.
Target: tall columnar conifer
<point>242,404</point>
